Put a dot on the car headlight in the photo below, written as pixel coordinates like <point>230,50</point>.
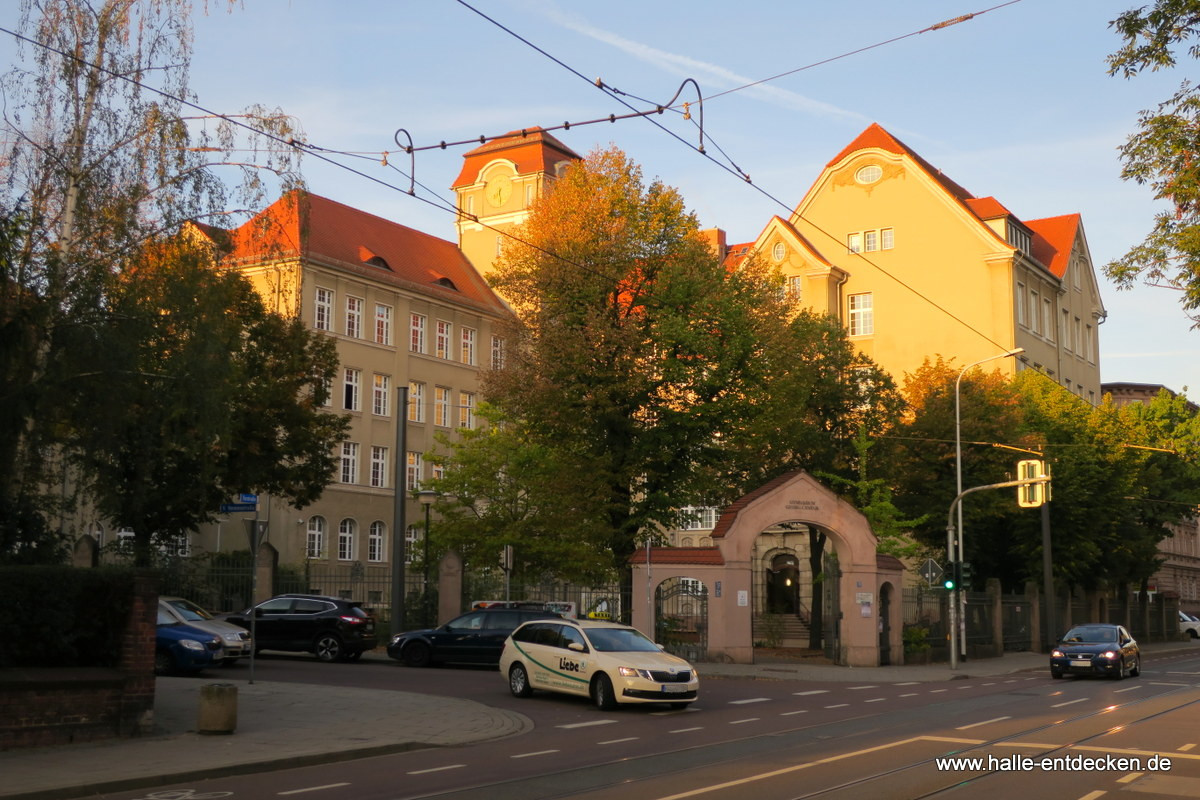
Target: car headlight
<point>633,672</point>
<point>191,644</point>
<point>236,638</point>
<point>1057,654</point>
<point>397,639</point>
<point>1111,654</point>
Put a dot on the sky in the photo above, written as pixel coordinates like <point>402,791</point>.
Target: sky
<point>1014,102</point>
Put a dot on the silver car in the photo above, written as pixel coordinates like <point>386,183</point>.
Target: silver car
<point>236,638</point>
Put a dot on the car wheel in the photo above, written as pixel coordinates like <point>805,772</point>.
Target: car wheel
<point>1192,633</point>
<point>518,681</point>
<point>328,647</point>
<point>164,664</point>
<point>1055,673</point>
<point>416,654</point>
<point>602,693</point>
<point>1120,673</point>
<point>1137,667</point>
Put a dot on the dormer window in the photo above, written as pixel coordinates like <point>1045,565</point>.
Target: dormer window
<point>1019,238</point>
<point>445,282</point>
<point>378,261</point>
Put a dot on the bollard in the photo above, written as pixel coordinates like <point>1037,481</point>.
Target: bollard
<point>218,708</point>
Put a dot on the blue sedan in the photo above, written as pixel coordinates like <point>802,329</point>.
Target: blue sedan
<point>182,648</point>
<point>1096,649</point>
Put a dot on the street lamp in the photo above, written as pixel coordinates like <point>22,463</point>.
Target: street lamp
<point>426,498</point>
<point>954,550</point>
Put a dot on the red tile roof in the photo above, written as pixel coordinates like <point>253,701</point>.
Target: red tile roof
<point>876,136</point>
<point>731,511</point>
<point>679,555</point>
<point>988,208</point>
<point>302,224</point>
<point>1053,241</point>
<point>533,150</point>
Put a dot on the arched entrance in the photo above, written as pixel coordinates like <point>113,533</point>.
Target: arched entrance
<point>783,585</point>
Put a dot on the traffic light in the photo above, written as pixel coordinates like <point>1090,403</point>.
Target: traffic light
<point>1034,494</point>
<point>953,577</point>
<point>964,574</point>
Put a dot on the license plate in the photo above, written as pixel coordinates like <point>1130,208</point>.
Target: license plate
<point>1081,663</point>
<point>674,688</point>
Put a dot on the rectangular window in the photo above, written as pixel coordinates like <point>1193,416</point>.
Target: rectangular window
<point>1048,318</point>
<point>467,352</point>
<point>412,537</point>
<point>379,464</point>
<point>383,324</point>
<point>346,540</point>
<point>887,238</point>
<point>1064,329</point>
<point>793,290</point>
<point>416,401</point>
<point>375,539</point>
<point>441,406</point>
<point>1077,337</point>
<point>862,314</point>
<point>323,308</point>
<point>315,545</point>
<point>870,240</point>
<point>353,384</point>
<point>415,468</point>
<point>417,330</point>
<point>854,243</point>
<point>381,394</point>
<point>466,410</point>
<point>437,471</point>
<point>1035,301</point>
<point>442,343</point>
<point>354,312</point>
<point>698,518</point>
<point>1021,305</point>
<point>349,462</point>
<point>1089,344</point>
<point>497,353</point>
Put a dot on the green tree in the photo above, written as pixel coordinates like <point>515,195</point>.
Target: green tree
<point>1165,152</point>
<point>504,488</point>
<point>100,161</point>
<point>635,349</point>
<point>196,393</point>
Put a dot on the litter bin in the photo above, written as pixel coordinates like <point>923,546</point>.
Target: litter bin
<point>218,708</point>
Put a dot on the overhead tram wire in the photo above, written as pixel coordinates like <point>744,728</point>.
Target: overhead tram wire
<point>315,151</point>
<point>745,177</point>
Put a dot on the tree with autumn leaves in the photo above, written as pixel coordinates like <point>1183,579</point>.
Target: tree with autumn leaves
<point>644,375</point>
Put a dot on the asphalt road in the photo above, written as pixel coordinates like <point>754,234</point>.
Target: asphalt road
<point>778,739</point>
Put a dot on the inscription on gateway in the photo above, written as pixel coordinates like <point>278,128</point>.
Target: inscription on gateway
<point>803,505</point>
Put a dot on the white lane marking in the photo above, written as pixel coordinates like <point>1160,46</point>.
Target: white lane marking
<point>990,683</point>
<point>1069,702</point>
<point>985,722</point>
<point>748,700</point>
<point>935,691</point>
<point>875,700</point>
<point>965,687</point>
<point>536,753</point>
<point>906,683</point>
<point>618,741</point>
<point>742,721</point>
<point>839,705</point>
<point>1127,689</point>
<point>588,724</point>
<point>909,694</point>
<point>686,730</point>
<point>813,691</point>
<point>435,769</point>
<point>314,788</point>
<point>805,711</point>
<point>871,686</point>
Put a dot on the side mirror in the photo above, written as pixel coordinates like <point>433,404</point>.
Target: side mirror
<point>576,646</point>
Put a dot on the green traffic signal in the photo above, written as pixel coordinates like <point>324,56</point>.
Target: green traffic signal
<point>948,584</point>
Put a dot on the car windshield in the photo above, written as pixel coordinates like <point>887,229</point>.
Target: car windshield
<point>189,611</point>
<point>1092,634</point>
<point>620,640</point>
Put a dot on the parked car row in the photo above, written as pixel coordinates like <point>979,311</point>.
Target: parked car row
<point>1189,624</point>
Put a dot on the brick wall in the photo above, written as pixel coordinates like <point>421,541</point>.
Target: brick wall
<point>40,707</point>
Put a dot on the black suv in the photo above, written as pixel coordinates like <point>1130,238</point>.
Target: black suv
<point>332,628</point>
<point>476,637</point>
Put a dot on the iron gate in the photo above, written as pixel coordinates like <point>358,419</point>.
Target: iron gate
<point>681,618</point>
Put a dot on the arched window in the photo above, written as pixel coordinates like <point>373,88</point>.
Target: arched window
<point>375,539</point>
<point>316,538</point>
<point>346,531</point>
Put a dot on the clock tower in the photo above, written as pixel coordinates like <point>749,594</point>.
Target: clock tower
<point>498,183</point>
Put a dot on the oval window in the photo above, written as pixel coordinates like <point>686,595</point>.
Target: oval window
<point>778,251</point>
<point>869,174</point>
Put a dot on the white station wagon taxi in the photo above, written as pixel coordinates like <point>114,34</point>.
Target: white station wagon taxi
<point>607,662</point>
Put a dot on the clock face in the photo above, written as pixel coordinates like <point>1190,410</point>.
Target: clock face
<point>498,190</point>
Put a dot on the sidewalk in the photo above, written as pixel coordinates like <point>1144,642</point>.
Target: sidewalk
<point>284,725</point>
